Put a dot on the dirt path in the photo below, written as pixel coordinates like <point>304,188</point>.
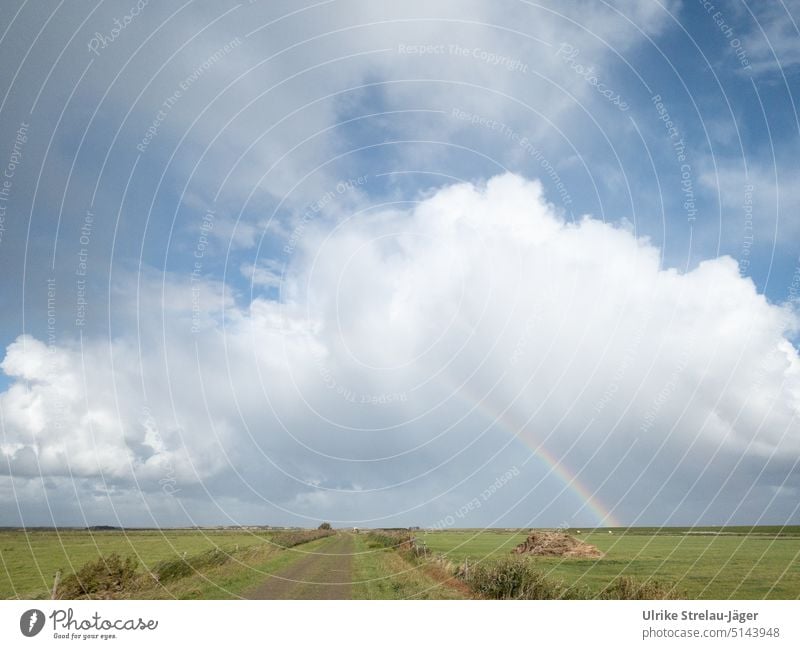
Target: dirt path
<point>325,574</point>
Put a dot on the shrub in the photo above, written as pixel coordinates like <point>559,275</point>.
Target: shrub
<point>179,567</point>
<point>629,588</point>
<point>290,539</point>
<point>105,576</point>
<point>325,526</point>
<point>516,578</point>
<point>386,539</point>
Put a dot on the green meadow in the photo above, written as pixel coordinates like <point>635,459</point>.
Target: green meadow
<point>29,560</point>
<point>705,563</point>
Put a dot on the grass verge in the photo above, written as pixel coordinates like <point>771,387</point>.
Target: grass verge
<point>381,572</point>
<point>213,574</point>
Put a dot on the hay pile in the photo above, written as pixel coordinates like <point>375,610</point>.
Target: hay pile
<point>556,544</point>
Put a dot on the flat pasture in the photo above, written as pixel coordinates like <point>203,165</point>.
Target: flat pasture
<point>29,559</point>
<point>705,563</point>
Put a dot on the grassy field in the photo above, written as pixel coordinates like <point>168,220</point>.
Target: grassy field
<point>707,563</point>
<point>385,574</point>
<point>247,568</point>
<point>29,560</point>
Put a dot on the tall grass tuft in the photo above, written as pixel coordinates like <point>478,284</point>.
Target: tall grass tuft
<point>176,568</point>
<point>516,578</point>
<point>101,578</point>
<point>519,578</point>
<point>629,588</point>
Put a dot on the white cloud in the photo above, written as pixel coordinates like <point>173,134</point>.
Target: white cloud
<point>471,267</point>
<point>571,329</point>
<point>299,77</point>
<point>758,206</point>
<point>266,274</point>
<point>771,40</point>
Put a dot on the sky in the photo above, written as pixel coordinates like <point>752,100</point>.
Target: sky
<point>440,263</point>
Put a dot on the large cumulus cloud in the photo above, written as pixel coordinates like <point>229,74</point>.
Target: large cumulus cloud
<point>401,341</point>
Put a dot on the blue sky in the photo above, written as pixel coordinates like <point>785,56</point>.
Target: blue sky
<point>354,261</point>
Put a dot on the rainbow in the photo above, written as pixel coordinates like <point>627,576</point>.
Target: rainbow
<point>555,466</point>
